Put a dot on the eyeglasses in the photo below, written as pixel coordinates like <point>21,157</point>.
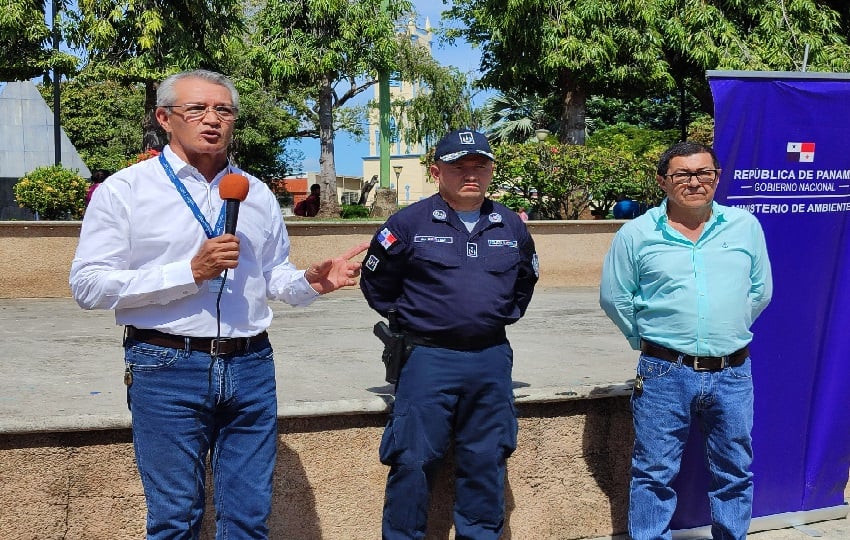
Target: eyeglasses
<point>193,112</point>
<point>706,176</point>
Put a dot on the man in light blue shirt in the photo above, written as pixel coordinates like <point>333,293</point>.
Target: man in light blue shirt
<point>684,282</point>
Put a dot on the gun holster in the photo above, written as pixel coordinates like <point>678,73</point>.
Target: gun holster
<point>395,351</point>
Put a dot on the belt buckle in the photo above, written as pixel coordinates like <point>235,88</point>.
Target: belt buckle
<point>215,346</point>
<point>697,366</point>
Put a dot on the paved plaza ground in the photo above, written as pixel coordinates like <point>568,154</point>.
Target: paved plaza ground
<point>62,367</point>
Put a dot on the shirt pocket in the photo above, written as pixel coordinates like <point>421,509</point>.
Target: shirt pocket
<point>444,255</point>
<point>499,263</point>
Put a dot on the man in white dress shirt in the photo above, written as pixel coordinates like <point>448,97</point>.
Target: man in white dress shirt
<point>194,302</point>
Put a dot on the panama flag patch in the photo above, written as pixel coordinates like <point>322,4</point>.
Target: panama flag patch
<point>803,152</point>
<point>386,238</point>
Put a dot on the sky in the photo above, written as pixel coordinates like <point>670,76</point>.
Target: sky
<point>348,153</point>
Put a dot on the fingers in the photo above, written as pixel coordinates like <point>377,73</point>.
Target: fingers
<point>356,250</point>
<point>214,256</point>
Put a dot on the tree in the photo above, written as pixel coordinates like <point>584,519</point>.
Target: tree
<point>102,120</point>
<point>326,53</point>
<point>514,118</point>
<point>143,41</point>
<point>564,180</point>
<point>573,49</point>
<point>25,50</point>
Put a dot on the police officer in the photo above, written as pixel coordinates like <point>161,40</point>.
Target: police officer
<point>457,268</point>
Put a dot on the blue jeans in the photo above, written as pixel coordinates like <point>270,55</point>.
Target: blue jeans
<point>186,405</point>
<point>442,395</point>
<point>673,395</point>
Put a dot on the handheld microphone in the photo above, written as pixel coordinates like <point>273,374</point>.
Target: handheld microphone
<point>232,189</point>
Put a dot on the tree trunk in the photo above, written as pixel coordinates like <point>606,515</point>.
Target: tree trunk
<point>153,136</point>
<point>327,166</point>
<point>574,100</point>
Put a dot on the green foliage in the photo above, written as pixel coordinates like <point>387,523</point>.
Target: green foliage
<point>354,211</point>
<point>143,41</point>
<point>574,49</point>
<point>702,130</point>
<point>514,201</point>
<point>25,49</point>
<point>54,193</point>
<point>639,141</point>
<point>513,119</point>
<point>102,119</point>
<point>327,53</point>
<point>562,181</point>
<point>261,129</point>
<point>442,103</point>
<point>659,113</point>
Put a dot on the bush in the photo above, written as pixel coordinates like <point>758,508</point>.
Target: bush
<point>54,193</point>
<point>354,211</point>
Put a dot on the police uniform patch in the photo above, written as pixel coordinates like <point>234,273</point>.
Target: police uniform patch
<point>436,239</point>
<point>535,264</point>
<point>439,214</point>
<point>372,263</point>
<point>386,238</point>
<point>471,249</point>
<point>499,243</point>
<point>495,217</point>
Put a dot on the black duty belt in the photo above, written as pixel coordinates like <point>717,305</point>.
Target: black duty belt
<point>699,363</point>
<point>213,346</point>
<point>456,343</point>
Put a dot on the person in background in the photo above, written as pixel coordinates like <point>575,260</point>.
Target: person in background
<point>194,302</point>
<point>522,213</point>
<point>309,207</point>
<point>684,282</point>
<point>456,268</point>
<point>97,178</point>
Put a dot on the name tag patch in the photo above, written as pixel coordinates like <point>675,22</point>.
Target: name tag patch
<point>437,239</point>
<point>502,243</point>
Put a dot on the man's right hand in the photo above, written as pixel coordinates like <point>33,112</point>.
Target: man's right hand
<point>216,255</point>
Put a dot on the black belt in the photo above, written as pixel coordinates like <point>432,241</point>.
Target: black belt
<point>699,363</point>
<point>212,346</point>
<point>456,343</point>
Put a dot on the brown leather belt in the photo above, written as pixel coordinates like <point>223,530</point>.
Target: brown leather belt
<point>212,346</point>
<point>699,363</point>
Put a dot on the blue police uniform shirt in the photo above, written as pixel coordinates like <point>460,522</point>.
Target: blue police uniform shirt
<point>447,281</point>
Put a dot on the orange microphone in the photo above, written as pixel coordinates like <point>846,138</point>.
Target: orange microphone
<point>232,189</point>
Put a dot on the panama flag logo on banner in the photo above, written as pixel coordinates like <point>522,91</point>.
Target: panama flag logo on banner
<point>803,152</point>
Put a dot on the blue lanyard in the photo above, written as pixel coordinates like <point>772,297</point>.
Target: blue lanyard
<point>190,202</point>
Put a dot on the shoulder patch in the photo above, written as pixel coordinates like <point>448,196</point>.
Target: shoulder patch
<point>386,238</point>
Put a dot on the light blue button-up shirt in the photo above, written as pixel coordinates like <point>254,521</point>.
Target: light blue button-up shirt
<point>696,298</point>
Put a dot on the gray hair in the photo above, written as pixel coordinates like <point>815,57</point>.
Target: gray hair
<point>166,95</point>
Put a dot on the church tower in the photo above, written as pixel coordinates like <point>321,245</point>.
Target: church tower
<point>407,175</point>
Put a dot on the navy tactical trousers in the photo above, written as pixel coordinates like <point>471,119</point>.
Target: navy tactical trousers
<point>441,394</point>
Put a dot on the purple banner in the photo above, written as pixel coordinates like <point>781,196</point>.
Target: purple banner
<point>783,140</point>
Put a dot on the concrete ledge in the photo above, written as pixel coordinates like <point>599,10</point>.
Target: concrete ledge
<point>301,409</point>
<point>35,255</point>
<point>329,483</point>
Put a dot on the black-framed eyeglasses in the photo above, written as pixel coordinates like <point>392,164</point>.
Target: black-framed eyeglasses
<point>192,112</point>
<point>706,176</point>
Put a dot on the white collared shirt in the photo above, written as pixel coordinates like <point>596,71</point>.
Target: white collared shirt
<point>139,236</point>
